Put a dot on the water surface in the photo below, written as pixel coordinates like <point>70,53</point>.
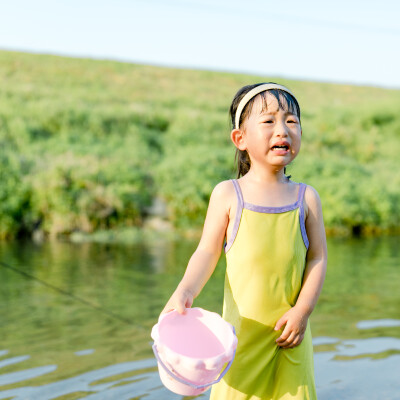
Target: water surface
<point>76,318</point>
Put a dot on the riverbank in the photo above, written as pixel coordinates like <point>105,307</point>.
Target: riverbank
<point>90,145</point>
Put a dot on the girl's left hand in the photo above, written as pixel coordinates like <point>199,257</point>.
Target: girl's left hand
<point>296,324</point>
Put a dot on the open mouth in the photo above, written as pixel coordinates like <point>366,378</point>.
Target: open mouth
<point>280,147</point>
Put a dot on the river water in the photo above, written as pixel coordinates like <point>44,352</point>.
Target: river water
<point>76,318</point>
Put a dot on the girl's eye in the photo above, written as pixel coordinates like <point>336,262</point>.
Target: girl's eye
<point>268,121</point>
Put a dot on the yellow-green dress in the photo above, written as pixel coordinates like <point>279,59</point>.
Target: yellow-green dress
<point>266,258</point>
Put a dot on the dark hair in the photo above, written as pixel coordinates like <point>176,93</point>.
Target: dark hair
<point>242,157</point>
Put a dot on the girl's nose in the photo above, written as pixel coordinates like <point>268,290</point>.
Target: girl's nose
<point>281,129</point>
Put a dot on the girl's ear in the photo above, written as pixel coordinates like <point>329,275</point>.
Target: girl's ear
<point>237,137</point>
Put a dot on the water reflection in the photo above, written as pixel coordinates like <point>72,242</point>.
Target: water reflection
<point>379,323</point>
<point>13,360</point>
<point>347,371</point>
<point>20,376</point>
<point>57,345</point>
<point>84,352</point>
<point>88,383</point>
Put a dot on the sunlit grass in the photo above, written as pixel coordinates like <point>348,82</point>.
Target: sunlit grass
<point>88,144</point>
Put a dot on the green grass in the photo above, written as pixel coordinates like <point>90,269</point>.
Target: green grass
<point>87,145</point>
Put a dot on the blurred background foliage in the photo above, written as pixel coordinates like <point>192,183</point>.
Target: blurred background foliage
<point>88,145</point>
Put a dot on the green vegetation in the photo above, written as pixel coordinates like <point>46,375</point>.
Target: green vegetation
<point>87,145</point>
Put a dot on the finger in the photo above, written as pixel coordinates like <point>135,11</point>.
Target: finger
<point>167,308</point>
<point>295,342</point>
<point>282,321</point>
<point>285,334</point>
<point>184,304</point>
<point>288,341</point>
<point>181,308</point>
<point>300,339</point>
<point>189,303</point>
<point>166,311</point>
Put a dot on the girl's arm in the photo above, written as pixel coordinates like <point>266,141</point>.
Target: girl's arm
<point>314,275</point>
<point>203,261</point>
<point>317,255</point>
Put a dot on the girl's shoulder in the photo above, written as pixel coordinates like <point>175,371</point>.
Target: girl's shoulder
<point>224,193</point>
<point>224,189</point>
<point>311,200</point>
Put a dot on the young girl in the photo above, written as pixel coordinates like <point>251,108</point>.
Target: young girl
<point>275,252</point>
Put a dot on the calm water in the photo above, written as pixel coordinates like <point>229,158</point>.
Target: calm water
<point>76,319</point>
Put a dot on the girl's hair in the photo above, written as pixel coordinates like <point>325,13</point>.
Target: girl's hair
<point>242,157</point>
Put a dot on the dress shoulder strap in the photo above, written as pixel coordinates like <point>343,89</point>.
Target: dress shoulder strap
<point>302,190</point>
<point>300,201</point>
<point>238,192</point>
<point>238,216</point>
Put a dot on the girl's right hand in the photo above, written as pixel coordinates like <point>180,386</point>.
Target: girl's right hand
<point>179,301</point>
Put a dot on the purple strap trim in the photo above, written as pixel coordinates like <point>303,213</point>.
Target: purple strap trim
<point>302,190</point>
<point>270,210</point>
<point>238,215</point>
<point>276,210</point>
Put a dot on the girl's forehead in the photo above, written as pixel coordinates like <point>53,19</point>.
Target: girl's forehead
<point>266,101</point>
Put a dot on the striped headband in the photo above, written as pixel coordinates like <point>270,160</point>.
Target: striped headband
<point>254,92</point>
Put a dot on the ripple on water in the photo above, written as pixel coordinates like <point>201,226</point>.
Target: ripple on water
<point>146,384</point>
<point>348,371</point>
<point>358,369</point>
<point>13,360</point>
<point>378,323</point>
<point>84,352</point>
<point>20,376</point>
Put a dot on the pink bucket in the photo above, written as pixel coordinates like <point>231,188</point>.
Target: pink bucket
<point>191,350</point>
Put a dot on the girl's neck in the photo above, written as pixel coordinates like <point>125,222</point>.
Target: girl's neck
<point>267,177</point>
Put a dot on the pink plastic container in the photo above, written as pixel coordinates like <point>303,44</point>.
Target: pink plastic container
<point>191,350</point>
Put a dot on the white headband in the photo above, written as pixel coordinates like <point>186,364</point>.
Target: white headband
<point>254,92</point>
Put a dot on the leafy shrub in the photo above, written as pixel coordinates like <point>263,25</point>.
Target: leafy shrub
<point>87,145</point>
<point>14,195</point>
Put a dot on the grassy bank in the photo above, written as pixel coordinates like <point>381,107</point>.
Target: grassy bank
<point>88,145</point>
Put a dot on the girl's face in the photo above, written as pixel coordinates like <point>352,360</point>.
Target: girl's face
<point>271,136</point>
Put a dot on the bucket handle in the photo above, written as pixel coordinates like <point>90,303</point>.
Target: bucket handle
<point>185,382</point>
